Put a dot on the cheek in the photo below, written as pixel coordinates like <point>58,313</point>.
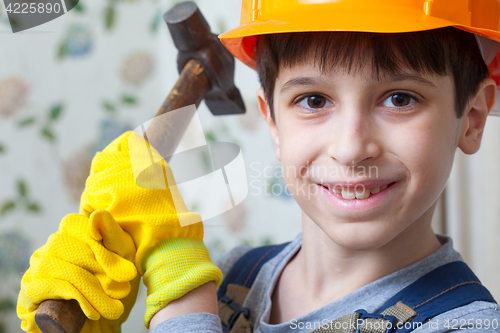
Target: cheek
<point>295,143</point>
<point>297,152</point>
<point>427,152</point>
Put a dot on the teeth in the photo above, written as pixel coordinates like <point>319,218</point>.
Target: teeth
<point>365,193</point>
<point>362,194</point>
<point>348,194</point>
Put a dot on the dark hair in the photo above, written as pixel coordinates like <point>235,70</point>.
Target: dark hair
<point>444,51</point>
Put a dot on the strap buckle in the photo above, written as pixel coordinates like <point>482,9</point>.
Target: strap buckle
<point>391,325</point>
<point>237,311</point>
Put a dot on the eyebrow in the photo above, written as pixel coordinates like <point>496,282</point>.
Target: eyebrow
<point>311,81</point>
<point>410,77</point>
<point>303,81</point>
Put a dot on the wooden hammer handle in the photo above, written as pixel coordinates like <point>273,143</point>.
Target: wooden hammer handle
<point>60,316</point>
<point>66,316</point>
<point>165,133</point>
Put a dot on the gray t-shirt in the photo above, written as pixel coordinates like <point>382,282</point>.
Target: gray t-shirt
<point>484,315</point>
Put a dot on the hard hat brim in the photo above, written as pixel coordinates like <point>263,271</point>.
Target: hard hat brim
<point>241,40</point>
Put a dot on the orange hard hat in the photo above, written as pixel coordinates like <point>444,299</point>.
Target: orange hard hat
<point>258,17</point>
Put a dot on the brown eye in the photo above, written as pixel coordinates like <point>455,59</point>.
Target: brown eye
<point>315,102</point>
<point>401,100</point>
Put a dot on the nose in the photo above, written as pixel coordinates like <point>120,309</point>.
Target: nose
<point>354,137</point>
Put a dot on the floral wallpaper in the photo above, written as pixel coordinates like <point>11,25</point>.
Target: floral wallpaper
<point>72,85</point>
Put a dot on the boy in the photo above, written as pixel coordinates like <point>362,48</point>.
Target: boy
<point>341,104</point>
<point>365,125</point>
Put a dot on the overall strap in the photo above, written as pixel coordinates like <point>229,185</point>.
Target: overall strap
<point>445,288</point>
<point>236,284</point>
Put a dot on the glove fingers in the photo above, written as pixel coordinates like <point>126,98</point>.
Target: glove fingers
<point>62,246</point>
<point>112,288</point>
<point>129,300</point>
<point>40,289</point>
<point>71,250</point>
<point>104,226</point>
<point>104,325</point>
<point>35,291</point>
<point>100,326</point>
<point>117,255</point>
<point>114,265</point>
<point>85,286</point>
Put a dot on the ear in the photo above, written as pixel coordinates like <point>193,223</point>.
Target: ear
<point>266,113</point>
<point>474,118</point>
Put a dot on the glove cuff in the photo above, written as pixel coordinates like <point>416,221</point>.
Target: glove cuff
<point>173,268</point>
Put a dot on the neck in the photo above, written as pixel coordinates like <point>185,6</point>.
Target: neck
<point>330,271</point>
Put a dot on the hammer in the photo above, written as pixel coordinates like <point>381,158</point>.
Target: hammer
<point>206,72</point>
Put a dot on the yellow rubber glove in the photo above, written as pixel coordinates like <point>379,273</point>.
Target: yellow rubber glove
<point>173,256</point>
<point>173,268</point>
<point>149,216</point>
<point>90,259</point>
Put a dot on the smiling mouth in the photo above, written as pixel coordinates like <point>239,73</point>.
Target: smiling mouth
<point>358,194</point>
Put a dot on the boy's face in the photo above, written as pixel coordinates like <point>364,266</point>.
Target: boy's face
<point>346,129</point>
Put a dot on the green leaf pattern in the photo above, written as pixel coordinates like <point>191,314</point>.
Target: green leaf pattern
<point>21,201</point>
<point>46,123</point>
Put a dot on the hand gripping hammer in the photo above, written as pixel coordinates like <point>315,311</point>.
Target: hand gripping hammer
<point>206,72</point>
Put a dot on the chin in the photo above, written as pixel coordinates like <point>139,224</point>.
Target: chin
<point>362,236</point>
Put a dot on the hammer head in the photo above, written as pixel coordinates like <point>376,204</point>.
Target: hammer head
<point>192,37</point>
